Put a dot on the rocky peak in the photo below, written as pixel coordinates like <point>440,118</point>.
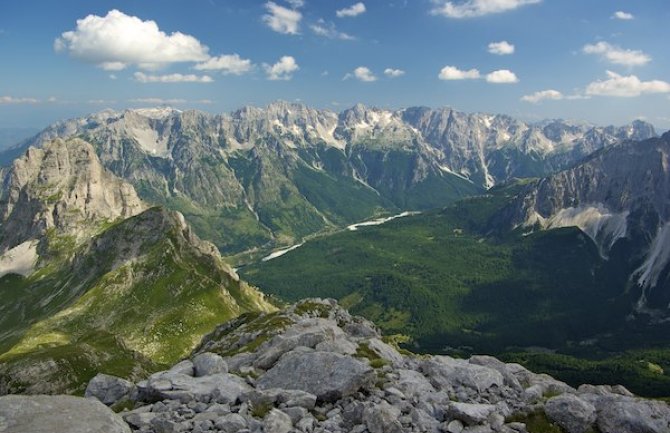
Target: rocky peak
<point>61,186</point>
<point>312,367</point>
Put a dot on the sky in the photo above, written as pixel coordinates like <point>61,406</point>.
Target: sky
<point>602,61</point>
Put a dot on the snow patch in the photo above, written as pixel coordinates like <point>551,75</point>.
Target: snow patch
<point>450,171</point>
<point>378,221</point>
<point>156,113</point>
<point>19,260</point>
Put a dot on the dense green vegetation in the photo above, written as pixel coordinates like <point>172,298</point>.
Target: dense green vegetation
<point>447,281</point>
<point>87,312</point>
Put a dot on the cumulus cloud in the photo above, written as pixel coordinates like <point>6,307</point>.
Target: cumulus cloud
<point>281,19</point>
<point>11,100</point>
<point>621,15</point>
<point>393,73</point>
<point>477,8</point>
<point>501,48</point>
<point>172,78</point>
<point>626,86</point>
<point>502,76</point>
<point>117,40</point>
<point>453,73</point>
<point>362,73</point>
<point>227,64</point>
<point>542,95</point>
<point>328,30</point>
<point>617,55</point>
<point>282,70</point>
<point>352,11</point>
<point>296,4</point>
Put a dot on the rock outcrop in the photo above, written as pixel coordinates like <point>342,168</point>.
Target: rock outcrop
<point>293,371</point>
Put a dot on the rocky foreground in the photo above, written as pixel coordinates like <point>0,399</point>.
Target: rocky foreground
<point>314,368</point>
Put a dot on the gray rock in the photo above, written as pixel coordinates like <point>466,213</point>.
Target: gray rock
<point>139,419</point>
<point>57,414</point>
<point>382,418</point>
<point>385,351</point>
<point>109,389</point>
<point>499,366</point>
<point>340,345</point>
<point>329,376</point>
<point>208,363</point>
<point>445,372</point>
<point>454,426</point>
<point>231,423</point>
<point>629,415</point>
<point>295,413</point>
<point>570,412</point>
<point>184,367</point>
<point>470,413</point>
<point>224,388</point>
<point>277,421</point>
<point>412,383</point>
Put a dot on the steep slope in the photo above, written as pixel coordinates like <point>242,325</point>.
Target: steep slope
<point>620,197</point>
<point>103,290</point>
<point>259,178</point>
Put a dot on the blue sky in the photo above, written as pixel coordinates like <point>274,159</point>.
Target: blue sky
<point>604,61</point>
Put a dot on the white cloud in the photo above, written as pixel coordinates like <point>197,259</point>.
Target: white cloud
<point>157,101</point>
<point>453,73</point>
<point>172,78</point>
<point>112,76</point>
<point>117,40</point>
<point>351,11</point>
<point>393,73</point>
<point>227,64</point>
<point>617,55</point>
<point>542,95</point>
<point>621,15</point>
<point>328,30</point>
<point>296,4</point>
<point>477,8</point>
<point>501,48</point>
<point>281,19</point>
<point>626,86</point>
<point>362,73</point>
<point>7,100</point>
<point>101,102</point>
<point>502,76</point>
<point>282,70</point>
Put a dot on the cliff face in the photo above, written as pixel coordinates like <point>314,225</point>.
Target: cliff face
<point>312,367</point>
<point>90,277</point>
<point>271,176</point>
<point>620,197</point>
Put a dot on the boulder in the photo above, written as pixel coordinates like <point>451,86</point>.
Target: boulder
<point>444,372</point>
<point>223,388</point>
<point>57,414</point>
<point>329,376</point>
<point>109,389</point>
<point>470,413</point>
<point>207,363</point>
<point>382,418</point>
<point>277,421</point>
<point>570,412</point>
<point>630,415</point>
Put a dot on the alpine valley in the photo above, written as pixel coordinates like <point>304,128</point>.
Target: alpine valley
<point>545,244</point>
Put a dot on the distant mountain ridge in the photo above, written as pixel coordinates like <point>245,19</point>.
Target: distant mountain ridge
<point>262,177</point>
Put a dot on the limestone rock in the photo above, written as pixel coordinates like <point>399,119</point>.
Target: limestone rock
<point>329,376</point>
<point>109,389</point>
<point>57,414</point>
<point>570,412</point>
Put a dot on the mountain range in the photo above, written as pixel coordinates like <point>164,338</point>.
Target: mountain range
<point>261,178</point>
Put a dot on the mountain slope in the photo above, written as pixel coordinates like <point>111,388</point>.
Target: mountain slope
<point>575,262</point>
<point>126,294</point>
<point>255,178</point>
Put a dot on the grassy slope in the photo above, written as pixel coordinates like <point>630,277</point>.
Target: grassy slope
<point>188,293</point>
<point>438,279</point>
